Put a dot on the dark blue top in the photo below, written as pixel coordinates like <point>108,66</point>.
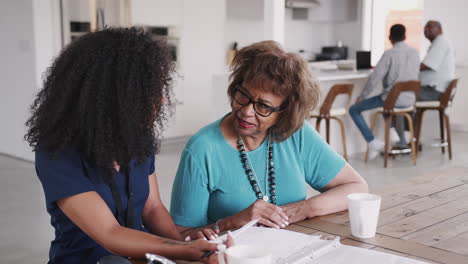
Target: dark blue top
<point>69,174</point>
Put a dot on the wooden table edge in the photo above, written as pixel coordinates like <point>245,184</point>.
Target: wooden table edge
<point>403,246</point>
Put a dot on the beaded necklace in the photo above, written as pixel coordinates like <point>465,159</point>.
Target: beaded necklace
<point>249,171</point>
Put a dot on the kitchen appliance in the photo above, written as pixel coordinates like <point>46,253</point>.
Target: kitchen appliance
<point>170,34</point>
<point>302,3</point>
<point>78,29</point>
<point>363,60</point>
<point>333,53</point>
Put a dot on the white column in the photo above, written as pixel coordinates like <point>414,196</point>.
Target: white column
<point>47,35</point>
<point>366,25</point>
<point>380,11</point>
<point>274,20</point>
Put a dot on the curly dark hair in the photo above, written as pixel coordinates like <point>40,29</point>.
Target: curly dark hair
<point>108,96</point>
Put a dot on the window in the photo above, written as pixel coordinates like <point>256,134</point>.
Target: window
<point>379,16</point>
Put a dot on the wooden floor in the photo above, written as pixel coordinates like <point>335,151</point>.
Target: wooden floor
<point>425,218</point>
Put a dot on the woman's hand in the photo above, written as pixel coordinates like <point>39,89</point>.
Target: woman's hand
<point>213,258</point>
<point>195,250</point>
<point>296,211</point>
<point>267,214</point>
<point>205,233</point>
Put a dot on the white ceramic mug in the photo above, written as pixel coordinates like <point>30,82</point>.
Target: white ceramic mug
<point>364,209</point>
<point>245,254</point>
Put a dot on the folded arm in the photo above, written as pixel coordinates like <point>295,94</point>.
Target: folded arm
<point>332,199</point>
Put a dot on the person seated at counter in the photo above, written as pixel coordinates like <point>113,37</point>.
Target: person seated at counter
<point>256,161</point>
<point>438,67</point>
<point>398,64</point>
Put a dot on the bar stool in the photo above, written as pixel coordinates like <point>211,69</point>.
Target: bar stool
<point>444,101</point>
<point>326,112</point>
<point>389,111</point>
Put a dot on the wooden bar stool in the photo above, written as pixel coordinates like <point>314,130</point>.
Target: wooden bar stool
<point>389,111</point>
<point>326,112</point>
<point>441,105</point>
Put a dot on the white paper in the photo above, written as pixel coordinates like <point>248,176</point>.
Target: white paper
<point>349,254</point>
<point>297,248</point>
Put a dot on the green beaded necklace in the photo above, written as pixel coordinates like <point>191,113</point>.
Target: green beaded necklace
<point>251,173</point>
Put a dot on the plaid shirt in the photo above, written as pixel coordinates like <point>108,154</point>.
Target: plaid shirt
<point>398,64</point>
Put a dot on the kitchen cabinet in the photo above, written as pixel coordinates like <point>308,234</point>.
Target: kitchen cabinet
<point>329,11</point>
<point>81,17</point>
<point>157,12</point>
<point>245,10</point>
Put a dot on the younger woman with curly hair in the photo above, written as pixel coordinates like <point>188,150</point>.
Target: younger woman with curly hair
<point>94,129</point>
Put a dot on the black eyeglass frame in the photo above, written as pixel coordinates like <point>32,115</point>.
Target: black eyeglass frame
<point>251,101</point>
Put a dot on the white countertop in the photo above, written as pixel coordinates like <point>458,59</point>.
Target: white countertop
<point>337,70</point>
<point>335,75</point>
<point>325,75</point>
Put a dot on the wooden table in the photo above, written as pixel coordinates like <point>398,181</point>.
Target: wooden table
<point>425,218</point>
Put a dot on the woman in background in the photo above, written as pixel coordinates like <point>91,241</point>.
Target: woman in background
<point>94,129</point>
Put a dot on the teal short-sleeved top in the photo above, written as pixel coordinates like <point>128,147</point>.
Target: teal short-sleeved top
<point>211,182</point>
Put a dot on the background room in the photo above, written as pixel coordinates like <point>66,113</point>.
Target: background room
<point>202,35</point>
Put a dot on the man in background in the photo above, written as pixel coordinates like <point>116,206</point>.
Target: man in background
<point>398,64</point>
<point>438,67</point>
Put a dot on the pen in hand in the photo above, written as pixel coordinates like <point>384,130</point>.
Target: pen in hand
<point>221,247</point>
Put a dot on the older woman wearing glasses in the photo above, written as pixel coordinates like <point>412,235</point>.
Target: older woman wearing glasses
<point>255,162</point>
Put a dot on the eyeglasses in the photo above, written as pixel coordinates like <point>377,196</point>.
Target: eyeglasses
<point>260,108</point>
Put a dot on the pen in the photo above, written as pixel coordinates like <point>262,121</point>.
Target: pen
<point>244,227</point>
<point>207,254</point>
<point>220,247</point>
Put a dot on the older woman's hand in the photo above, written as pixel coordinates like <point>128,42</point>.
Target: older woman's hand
<point>267,214</point>
<point>205,233</point>
<point>296,211</point>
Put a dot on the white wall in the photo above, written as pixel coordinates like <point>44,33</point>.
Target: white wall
<point>244,23</point>
<point>307,35</point>
<point>452,15</point>
<point>350,32</point>
<point>47,39</point>
<point>157,12</point>
<point>299,34</point>
<point>201,27</point>
<point>79,10</point>
<point>202,56</point>
<point>17,72</point>
<point>244,32</point>
<point>27,47</point>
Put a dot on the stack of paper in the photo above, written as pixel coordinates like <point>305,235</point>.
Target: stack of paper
<point>292,247</point>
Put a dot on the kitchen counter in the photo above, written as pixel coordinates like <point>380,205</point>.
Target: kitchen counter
<point>324,75</point>
<point>336,75</point>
